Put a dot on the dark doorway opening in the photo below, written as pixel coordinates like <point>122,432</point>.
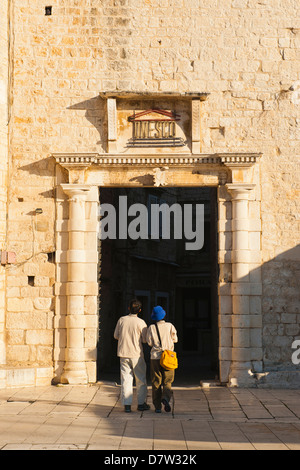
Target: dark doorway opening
<point>162,272</point>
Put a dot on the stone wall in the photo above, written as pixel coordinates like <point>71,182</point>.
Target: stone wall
<point>4,117</point>
<point>245,53</point>
<point>30,233</point>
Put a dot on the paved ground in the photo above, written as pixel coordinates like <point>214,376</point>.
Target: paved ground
<point>91,418</point>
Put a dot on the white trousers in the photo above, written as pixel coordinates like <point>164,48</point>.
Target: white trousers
<point>130,368</point>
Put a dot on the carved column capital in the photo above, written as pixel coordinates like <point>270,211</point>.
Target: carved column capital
<point>76,192</point>
<point>240,190</point>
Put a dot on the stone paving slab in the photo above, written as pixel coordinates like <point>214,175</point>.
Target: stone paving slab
<point>92,418</point>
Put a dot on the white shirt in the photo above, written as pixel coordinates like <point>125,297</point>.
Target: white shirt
<point>131,333</point>
<point>168,336</point>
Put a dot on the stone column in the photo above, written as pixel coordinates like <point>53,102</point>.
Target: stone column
<point>75,367</point>
<point>242,258</point>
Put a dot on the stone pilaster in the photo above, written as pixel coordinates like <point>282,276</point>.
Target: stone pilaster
<point>112,124</point>
<point>246,353</point>
<point>75,367</point>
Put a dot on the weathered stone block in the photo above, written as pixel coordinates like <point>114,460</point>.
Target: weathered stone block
<point>43,337</point>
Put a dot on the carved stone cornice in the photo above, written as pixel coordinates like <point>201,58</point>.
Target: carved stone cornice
<point>75,160</point>
<point>84,160</point>
<point>153,96</point>
<point>235,161</point>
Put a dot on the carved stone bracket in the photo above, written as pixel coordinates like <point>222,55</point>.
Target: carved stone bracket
<point>241,166</point>
<point>76,164</point>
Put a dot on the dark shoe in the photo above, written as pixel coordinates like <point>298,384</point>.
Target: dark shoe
<point>166,405</point>
<point>127,409</point>
<point>158,410</point>
<point>144,407</point>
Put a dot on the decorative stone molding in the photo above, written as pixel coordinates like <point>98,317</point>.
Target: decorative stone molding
<point>240,160</point>
<point>144,95</point>
<point>160,177</point>
<point>240,166</point>
<point>218,168</point>
<point>75,159</point>
<point>83,161</point>
<point>76,164</point>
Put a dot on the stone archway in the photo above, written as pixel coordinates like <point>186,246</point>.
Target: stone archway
<point>239,256</point>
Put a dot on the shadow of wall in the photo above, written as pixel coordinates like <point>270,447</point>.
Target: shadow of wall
<point>279,306</point>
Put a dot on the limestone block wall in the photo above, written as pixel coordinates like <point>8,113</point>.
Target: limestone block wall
<point>30,224</point>
<point>245,53</point>
<point>4,117</point>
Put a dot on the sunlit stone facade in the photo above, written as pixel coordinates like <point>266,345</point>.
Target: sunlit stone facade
<point>226,74</point>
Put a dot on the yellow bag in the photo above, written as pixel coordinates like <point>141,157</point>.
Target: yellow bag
<point>169,360</point>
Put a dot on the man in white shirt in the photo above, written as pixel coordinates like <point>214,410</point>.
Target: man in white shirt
<point>131,333</point>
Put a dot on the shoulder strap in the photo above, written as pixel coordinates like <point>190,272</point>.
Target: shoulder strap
<point>158,334</point>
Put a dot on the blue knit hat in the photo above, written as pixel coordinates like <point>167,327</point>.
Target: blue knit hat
<point>158,313</point>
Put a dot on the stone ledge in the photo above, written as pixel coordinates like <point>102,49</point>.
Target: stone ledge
<point>25,376</point>
<point>286,379</point>
<point>153,95</point>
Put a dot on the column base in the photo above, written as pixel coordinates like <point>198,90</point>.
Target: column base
<point>74,374</point>
<point>241,375</point>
